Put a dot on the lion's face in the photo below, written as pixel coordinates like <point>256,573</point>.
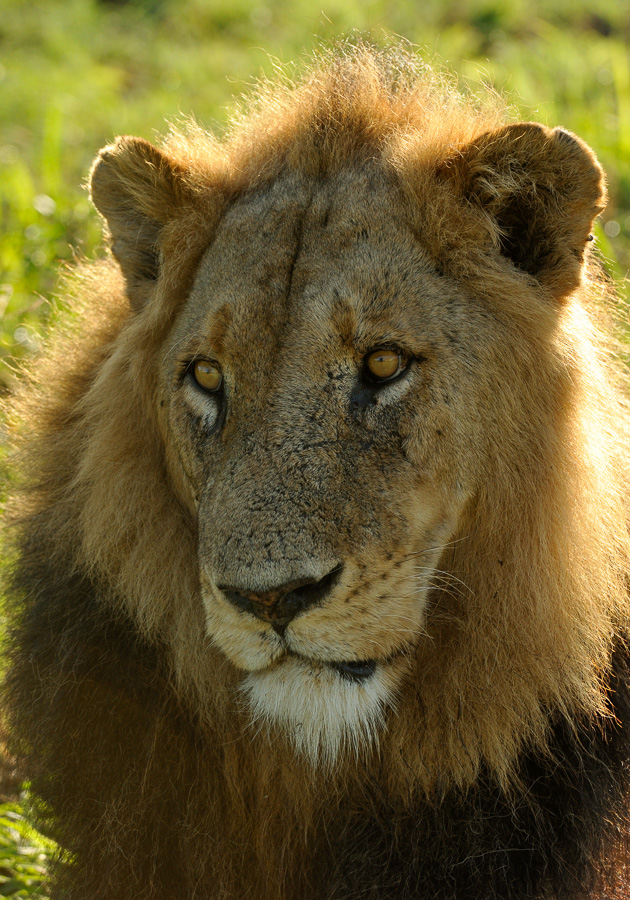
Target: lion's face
<point>325,493</point>
<point>354,348</point>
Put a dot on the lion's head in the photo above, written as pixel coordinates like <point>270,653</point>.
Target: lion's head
<point>353,448</point>
<point>316,439</point>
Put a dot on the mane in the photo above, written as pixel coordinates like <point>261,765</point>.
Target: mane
<point>536,592</point>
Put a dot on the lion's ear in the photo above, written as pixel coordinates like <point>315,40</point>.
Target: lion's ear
<point>137,189</point>
<point>543,188</point>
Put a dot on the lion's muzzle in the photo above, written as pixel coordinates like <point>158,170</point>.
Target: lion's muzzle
<point>280,605</point>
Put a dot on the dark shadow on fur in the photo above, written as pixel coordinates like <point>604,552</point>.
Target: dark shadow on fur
<point>129,784</point>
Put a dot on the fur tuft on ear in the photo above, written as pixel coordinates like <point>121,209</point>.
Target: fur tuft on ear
<point>542,188</point>
<point>137,189</point>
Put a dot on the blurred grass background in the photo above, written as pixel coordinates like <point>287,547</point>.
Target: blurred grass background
<point>74,73</point>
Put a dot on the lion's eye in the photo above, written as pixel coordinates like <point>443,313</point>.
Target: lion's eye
<point>207,375</point>
<point>385,364</point>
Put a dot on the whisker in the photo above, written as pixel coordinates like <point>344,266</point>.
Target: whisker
<point>439,548</point>
<point>444,581</point>
<point>448,575</point>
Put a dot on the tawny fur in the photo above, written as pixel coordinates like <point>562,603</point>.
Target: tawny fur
<point>478,511</point>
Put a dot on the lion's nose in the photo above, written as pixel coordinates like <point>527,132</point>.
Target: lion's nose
<point>281,604</point>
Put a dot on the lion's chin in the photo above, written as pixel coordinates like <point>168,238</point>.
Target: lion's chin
<point>325,708</point>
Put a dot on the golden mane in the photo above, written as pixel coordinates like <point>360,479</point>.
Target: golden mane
<point>535,601</point>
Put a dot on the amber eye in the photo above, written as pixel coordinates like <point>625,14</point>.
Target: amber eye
<point>385,364</point>
<point>207,375</point>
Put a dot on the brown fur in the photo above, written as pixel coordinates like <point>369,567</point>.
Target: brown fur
<point>476,508</point>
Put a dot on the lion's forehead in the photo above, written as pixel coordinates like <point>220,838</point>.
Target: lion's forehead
<point>310,264</point>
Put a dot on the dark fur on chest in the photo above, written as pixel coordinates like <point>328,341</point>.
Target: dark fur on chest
<point>562,834</point>
<point>133,790</point>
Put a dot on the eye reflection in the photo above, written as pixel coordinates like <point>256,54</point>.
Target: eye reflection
<point>207,375</point>
<point>385,364</point>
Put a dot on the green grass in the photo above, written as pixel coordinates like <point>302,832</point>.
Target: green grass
<point>74,73</point>
<point>23,855</point>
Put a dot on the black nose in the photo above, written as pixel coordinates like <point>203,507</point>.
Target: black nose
<point>281,604</point>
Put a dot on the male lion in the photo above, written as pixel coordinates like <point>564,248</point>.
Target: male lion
<point>323,545</point>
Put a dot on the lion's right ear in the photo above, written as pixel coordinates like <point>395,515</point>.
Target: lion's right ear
<point>137,189</point>
<point>542,188</point>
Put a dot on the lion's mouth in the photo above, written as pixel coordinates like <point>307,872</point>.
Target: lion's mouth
<point>355,671</point>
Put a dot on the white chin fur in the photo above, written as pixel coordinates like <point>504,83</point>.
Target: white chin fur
<point>322,712</point>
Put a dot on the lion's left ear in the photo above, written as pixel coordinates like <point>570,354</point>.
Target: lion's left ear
<point>138,189</point>
<point>543,188</point>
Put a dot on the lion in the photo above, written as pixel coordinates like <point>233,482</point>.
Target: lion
<point>322,548</point>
